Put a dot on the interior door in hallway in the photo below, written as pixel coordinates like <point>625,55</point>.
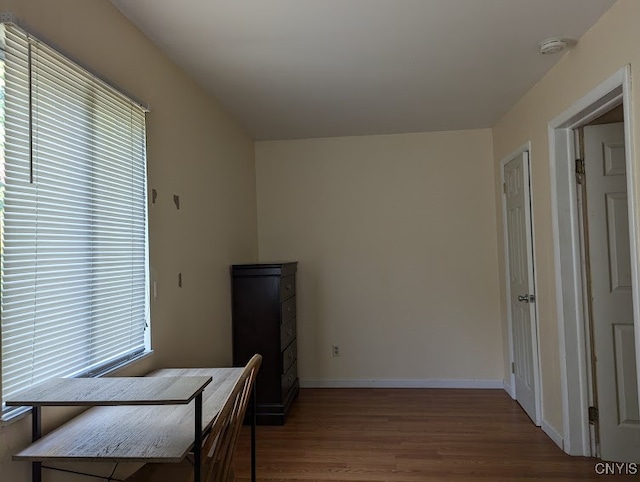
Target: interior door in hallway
<point>517,199</point>
<point>610,292</point>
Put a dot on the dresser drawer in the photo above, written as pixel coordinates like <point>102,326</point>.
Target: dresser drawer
<point>288,378</point>
<point>287,287</point>
<point>289,355</point>
<point>287,332</point>
<point>288,310</point>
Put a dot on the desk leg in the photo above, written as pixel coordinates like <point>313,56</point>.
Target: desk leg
<point>253,433</point>
<point>36,433</point>
<point>197,449</point>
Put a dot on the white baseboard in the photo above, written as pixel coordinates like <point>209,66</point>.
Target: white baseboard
<point>552,434</point>
<point>397,383</point>
<point>509,389</point>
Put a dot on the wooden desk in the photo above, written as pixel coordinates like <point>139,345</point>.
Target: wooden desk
<point>129,430</point>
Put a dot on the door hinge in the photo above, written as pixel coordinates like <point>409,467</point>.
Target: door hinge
<point>593,415</point>
<point>513,367</point>
<point>504,187</point>
<point>579,170</point>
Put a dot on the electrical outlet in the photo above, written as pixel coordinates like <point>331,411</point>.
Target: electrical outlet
<point>335,350</point>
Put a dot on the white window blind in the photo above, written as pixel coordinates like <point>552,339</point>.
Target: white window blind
<point>74,270</point>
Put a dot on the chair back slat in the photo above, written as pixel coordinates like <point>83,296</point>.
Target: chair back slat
<point>220,444</point>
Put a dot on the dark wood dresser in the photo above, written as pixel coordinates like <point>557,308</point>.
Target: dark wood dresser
<point>264,321</point>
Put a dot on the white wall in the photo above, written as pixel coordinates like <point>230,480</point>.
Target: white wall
<point>396,240</point>
<point>194,150</point>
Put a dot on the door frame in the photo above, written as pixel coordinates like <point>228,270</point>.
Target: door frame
<point>566,245</point>
<point>534,319</point>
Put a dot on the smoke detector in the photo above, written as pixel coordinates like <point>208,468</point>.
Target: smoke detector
<point>554,45</point>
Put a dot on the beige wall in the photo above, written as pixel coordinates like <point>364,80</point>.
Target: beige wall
<point>194,150</point>
<point>609,45</point>
<point>396,240</point>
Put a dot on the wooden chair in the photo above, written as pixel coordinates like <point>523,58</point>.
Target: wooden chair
<point>219,445</point>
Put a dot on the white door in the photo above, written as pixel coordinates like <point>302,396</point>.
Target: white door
<point>610,289</point>
<point>520,278</point>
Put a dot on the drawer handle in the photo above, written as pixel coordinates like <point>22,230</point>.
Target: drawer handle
<point>288,287</point>
<point>291,377</point>
<point>288,309</point>
<point>290,355</point>
<point>290,332</point>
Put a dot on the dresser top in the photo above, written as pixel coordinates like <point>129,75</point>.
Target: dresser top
<point>265,269</point>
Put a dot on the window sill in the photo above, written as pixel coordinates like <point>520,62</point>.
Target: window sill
<point>19,413</point>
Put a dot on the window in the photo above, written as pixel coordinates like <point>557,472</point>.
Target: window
<point>74,259</point>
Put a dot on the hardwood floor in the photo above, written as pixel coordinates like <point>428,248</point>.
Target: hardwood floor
<point>409,435</point>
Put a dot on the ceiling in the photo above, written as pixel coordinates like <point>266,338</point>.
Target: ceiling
<point>288,69</point>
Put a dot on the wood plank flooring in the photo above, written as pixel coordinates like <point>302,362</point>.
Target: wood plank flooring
<point>409,435</point>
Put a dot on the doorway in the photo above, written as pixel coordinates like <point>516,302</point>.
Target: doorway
<point>574,305</point>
